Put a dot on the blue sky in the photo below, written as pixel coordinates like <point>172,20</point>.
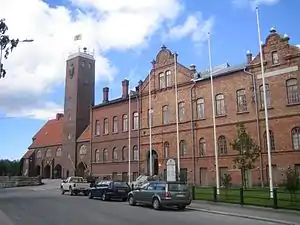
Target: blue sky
<point>233,31</point>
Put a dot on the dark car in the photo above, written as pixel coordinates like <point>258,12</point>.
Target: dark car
<point>110,189</point>
<point>160,193</point>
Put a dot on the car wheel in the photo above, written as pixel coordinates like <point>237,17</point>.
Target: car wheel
<point>103,197</point>
<point>86,193</point>
<point>181,207</point>
<point>156,204</point>
<point>131,200</point>
<point>62,191</point>
<point>90,195</point>
<point>71,191</point>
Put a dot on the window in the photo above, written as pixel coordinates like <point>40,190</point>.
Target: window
<point>97,155</point>
<point>82,150</point>
<point>296,138</point>
<point>58,152</point>
<point>200,108</point>
<point>115,124</point>
<point>135,153</point>
<point>241,100</point>
<point>222,145</point>
<point>39,154</point>
<point>97,127</point>
<point>105,155</point>
<point>162,83</point>
<point>166,149</point>
<point>181,111</point>
<point>48,153</point>
<point>105,126</point>
<point>150,117</point>
<point>125,123</point>
<point>261,93</point>
<point>182,148</point>
<point>168,78</point>
<point>292,90</point>
<point>135,120</point>
<point>115,154</point>
<point>124,153</point>
<point>272,141</point>
<point>165,114</point>
<point>220,105</point>
<point>275,58</point>
<point>202,147</point>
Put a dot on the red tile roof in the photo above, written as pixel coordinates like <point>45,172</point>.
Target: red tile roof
<point>50,134</point>
<point>86,134</point>
<point>28,154</point>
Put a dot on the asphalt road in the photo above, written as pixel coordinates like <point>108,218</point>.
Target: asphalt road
<point>45,205</point>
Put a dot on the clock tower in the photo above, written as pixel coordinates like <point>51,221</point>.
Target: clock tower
<point>79,96</point>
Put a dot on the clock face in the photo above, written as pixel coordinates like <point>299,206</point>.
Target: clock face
<point>71,71</point>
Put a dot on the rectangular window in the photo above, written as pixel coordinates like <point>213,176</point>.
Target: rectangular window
<point>162,83</point>
<point>261,92</point>
<point>275,58</point>
<point>241,100</point>
<point>115,124</point>
<point>136,121</point>
<point>220,105</point>
<point>125,123</point>
<point>97,128</point>
<point>105,126</point>
<point>200,108</point>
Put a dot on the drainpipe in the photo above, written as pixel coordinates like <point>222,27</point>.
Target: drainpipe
<point>91,137</point>
<point>257,126</point>
<point>138,99</point>
<point>193,133</point>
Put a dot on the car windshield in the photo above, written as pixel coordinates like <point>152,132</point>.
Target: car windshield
<point>77,180</point>
<point>121,184</point>
<point>177,187</point>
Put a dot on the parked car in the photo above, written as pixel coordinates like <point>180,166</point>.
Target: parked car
<point>75,185</point>
<point>161,193</point>
<point>110,189</point>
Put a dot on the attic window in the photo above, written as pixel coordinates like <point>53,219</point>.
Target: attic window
<point>275,58</point>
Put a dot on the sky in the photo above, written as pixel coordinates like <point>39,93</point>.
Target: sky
<point>125,36</point>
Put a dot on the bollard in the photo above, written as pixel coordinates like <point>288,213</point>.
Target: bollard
<point>275,198</point>
<point>193,192</point>
<point>241,196</point>
<point>215,194</point>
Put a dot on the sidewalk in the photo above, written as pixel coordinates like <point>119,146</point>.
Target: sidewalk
<point>258,213</point>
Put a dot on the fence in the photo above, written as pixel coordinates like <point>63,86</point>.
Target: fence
<point>254,196</point>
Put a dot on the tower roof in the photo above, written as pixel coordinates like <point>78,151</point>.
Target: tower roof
<point>82,53</point>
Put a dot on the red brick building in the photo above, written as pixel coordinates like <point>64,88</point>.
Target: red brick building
<point>95,137</point>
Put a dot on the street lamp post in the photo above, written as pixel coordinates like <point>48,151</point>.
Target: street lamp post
<point>7,45</point>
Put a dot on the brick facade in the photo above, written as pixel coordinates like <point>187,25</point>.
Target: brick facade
<point>238,98</point>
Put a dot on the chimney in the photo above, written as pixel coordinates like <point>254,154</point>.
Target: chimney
<point>125,86</point>
<point>193,68</point>
<point>105,94</point>
<point>59,116</point>
<point>249,57</point>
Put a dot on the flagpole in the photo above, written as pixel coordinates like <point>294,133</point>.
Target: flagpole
<point>265,104</point>
<point>214,117</point>
<point>129,135</point>
<point>150,126</point>
<point>176,111</point>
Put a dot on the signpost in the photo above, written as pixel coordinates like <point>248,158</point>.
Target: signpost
<point>171,170</point>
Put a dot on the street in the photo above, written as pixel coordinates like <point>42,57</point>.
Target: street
<point>44,205</point>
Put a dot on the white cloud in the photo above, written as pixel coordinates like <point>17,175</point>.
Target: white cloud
<point>194,27</point>
<point>34,69</point>
<point>253,3</point>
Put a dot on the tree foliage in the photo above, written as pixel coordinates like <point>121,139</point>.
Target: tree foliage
<point>292,182</point>
<point>226,182</point>
<point>10,168</point>
<point>6,45</point>
<point>248,151</point>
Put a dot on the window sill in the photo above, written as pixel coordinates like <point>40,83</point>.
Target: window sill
<point>220,116</point>
<point>115,132</point>
<point>292,104</point>
<point>125,131</point>
<point>276,65</point>
<point>200,119</point>
<point>97,135</point>
<point>269,108</point>
<point>241,113</point>
<point>105,134</point>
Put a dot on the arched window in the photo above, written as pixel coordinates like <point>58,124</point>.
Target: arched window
<point>261,94</point>
<point>166,149</point>
<point>202,147</point>
<point>222,145</point>
<point>165,114</point>
<point>292,90</point>
<point>39,154</point>
<point>115,154</point>
<point>82,150</point>
<point>58,152</point>
<point>97,127</point>
<point>48,153</point>
<point>200,108</point>
<point>296,138</point>
<point>97,155</point>
<point>124,153</point>
<point>125,122</point>
<point>135,120</point>
<point>181,111</point>
<point>220,105</point>
<point>162,83</point>
<point>272,141</point>
<point>168,78</point>
<point>135,153</point>
<point>105,126</point>
<point>115,124</point>
<point>105,155</point>
<point>241,100</point>
<point>182,148</point>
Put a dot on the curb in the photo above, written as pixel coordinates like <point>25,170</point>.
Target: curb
<point>244,216</point>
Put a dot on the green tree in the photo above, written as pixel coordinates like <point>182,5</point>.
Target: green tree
<point>226,182</point>
<point>292,182</point>
<point>248,152</point>
<point>10,168</point>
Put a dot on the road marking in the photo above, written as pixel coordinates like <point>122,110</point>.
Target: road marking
<point>4,219</point>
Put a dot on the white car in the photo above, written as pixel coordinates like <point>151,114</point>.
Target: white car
<point>74,186</point>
